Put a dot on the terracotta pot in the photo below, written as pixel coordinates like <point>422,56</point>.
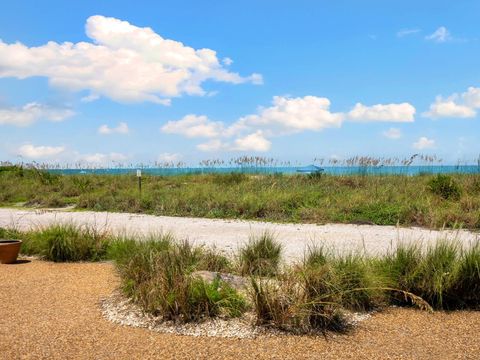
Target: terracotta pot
<point>9,250</point>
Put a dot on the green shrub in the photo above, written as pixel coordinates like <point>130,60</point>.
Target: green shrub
<point>260,256</point>
<point>445,186</point>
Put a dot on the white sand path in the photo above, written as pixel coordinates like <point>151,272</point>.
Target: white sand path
<point>228,235</point>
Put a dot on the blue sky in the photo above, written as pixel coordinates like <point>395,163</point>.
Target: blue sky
<point>102,82</point>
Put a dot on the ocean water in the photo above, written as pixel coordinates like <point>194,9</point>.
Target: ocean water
<point>331,170</point>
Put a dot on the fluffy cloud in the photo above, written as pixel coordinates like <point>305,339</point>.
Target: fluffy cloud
<point>291,115</point>
<point>32,112</point>
<point>440,35</point>
<point>101,158</point>
<point>393,133</point>
<point>457,105</point>
<point>123,62</point>
<point>39,152</point>
<point>449,108</point>
<point>252,142</point>
<point>122,128</point>
<point>194,126</point>
<point>472,97</point>
<point>286,115</point>
<point>403,112</point>
<point>424,143</point>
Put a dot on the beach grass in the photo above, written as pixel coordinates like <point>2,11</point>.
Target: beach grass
<point>430,201</point>
<point>161,274</point>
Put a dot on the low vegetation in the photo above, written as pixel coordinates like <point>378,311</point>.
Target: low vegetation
<point>430,201</point>
<point>161,274</point>
<point>260,256</point>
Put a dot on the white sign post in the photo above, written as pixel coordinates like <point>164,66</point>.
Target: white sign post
<point>139,176</point>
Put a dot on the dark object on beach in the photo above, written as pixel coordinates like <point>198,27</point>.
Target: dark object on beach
<point>9,250</point>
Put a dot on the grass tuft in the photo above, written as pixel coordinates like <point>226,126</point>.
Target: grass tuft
<point>66,242</point>
<point>157,274</point>
<point>261,256</point>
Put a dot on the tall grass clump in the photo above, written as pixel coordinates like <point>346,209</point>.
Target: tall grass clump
<point>445,186</point>
<point>159,276</point>
<point>435,275</point>
<point>293,305</point>
<point>445,275</point>
<point>261,255</point>
<point>399,269</point>
<point>360,288</point>
<point>10,234</point>
<point>465,290</point>
<point>65,243</point>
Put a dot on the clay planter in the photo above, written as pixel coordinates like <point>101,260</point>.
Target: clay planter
<point>9,250</point>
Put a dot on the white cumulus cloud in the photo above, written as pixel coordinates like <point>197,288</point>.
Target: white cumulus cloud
<point>472,97</point>
<point>286,115</point>
<point>440,35</point>
<point>39,152</point>
<point>32,112</point>
<point>457,105</point>
<point>403,112</point>
<point>193,126</point>
<point>291,115</point>
<point>424,143</point>
<point>449,108</point>
<point>122,128</point>
<point>252,142</point>
<point>123,62</point>
<point>393,133</point>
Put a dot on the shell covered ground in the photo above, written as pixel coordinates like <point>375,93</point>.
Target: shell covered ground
<point>52,311</point>
<point>229,235</point>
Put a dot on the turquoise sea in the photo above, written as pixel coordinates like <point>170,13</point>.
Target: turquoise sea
<point>331,170</point>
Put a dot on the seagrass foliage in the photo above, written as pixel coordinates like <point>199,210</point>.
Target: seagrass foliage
<point>160,273</point>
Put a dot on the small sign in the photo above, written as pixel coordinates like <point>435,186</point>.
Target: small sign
<point>139,173</point>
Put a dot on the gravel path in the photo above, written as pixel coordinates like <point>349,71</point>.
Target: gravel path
<point>227,235</point>
<point>52,311</point>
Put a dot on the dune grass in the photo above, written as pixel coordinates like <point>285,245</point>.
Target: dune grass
<point>422,200</point>
<point>159,273</point>
<point>260,256</point>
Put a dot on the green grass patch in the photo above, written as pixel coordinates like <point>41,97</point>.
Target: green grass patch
<point>424,200</point>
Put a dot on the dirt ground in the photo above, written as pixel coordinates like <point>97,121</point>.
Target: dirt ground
<point>52,311</point>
